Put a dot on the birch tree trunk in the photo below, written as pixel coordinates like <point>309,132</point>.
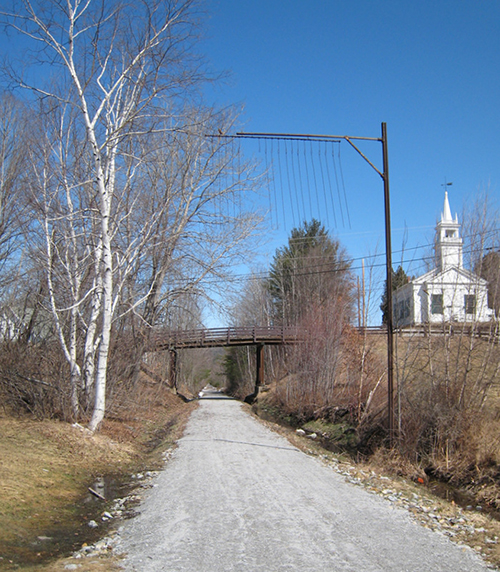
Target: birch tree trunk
<point>122,81</point>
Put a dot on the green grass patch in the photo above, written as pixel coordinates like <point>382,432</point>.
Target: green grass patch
<point>341,435</point>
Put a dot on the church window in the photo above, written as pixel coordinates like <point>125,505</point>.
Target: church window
<point>470,304</point>
<point>436,304</point>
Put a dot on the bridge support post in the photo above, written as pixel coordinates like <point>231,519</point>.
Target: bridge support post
<point>259,374</point>
<point>259,378</point>
<point>172,374</point>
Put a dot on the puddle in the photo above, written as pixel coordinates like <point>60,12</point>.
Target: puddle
<point>108,487</point>
<point>461,498</point>
<point>68,536</point>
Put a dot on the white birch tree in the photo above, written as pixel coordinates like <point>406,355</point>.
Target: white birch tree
<point>118,77</point>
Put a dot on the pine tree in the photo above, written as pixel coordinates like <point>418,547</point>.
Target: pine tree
<point>311,269</point>
<point>490,271</point>
<point>399,278</point>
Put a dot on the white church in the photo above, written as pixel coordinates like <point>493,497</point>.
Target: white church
<point>449,292</point>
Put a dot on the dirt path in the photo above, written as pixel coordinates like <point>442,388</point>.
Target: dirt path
<point>238,497</point>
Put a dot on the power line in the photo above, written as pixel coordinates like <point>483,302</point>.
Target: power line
<point>264,275</point>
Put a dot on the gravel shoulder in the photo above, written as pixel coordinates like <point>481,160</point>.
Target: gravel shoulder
<point>237,496</point>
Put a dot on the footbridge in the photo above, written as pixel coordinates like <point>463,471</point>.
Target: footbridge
<point>258,336</point>
<point>223,337</point>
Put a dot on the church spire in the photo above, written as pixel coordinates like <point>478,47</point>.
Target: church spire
<point>446,214</point>
<point>448,240</point>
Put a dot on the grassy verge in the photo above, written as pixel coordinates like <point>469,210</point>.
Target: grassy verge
<point>47,467</point>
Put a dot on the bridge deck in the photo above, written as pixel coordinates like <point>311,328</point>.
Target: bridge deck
<point>278,335</point>
<point>223,337</point>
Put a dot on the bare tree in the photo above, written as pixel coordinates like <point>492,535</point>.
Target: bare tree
<point>119,80</point>
<point>195,184</point>
<point>13,143</point>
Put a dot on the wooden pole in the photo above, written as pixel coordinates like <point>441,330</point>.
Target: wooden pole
<point>388,255</point>
<point>363,293</point>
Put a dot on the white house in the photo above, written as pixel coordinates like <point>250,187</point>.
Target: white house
<point>449,292</point>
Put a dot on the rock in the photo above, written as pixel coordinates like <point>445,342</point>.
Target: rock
<point>92,524</point>
<point>300,432</point>
<point>312,436</point>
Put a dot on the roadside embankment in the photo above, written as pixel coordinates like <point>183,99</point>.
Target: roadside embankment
<point>61,487</point>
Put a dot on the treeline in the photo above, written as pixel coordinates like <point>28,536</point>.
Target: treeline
<point>120,211</point>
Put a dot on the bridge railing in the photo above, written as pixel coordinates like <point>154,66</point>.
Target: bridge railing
<point>276,335</point>
<point>237,335</point>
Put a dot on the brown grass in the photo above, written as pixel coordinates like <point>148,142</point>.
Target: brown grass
<point>46,468</point>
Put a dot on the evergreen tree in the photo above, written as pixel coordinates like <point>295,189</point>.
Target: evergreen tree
<point>309,270</point>
<point>490,271</point>
<point>399,278</point>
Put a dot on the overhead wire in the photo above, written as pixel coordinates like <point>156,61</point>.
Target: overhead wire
<point>324,186</point>
<point>264,275</point>
<point>343,186</point>
<point>327,168</point>
<point>271,193</point>
<point>307,177</point>
<point>295,180</point>
<point>281,182</point>
<point>302,185</point>
<point>288,176</point>
<point>338,187</point>
<point>315,180</point>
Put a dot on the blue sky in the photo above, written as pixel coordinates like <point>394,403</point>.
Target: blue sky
<point>429,69</point>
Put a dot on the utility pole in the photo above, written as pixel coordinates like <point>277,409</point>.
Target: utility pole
<point>388,254</point>
<point>363,292</point>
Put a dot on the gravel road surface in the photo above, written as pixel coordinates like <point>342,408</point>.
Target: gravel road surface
<point>237,497</point>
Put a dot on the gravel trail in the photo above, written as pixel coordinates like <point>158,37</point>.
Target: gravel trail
<point>237,497</point>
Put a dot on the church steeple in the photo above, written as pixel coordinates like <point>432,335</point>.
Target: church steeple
<point>448,242</point>
<point>446,214</point>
